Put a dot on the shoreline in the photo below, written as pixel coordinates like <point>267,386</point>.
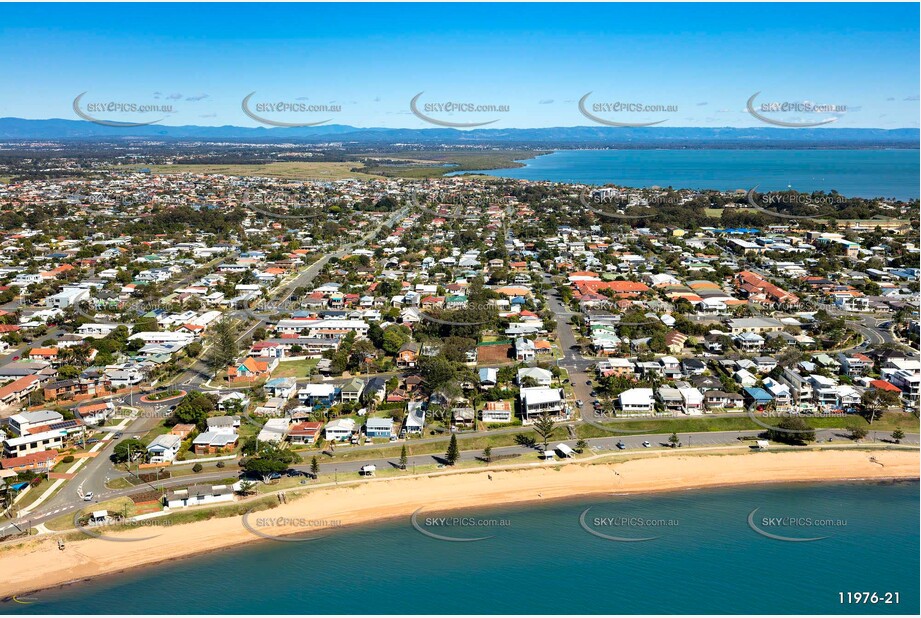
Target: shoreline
<point>39,565</point>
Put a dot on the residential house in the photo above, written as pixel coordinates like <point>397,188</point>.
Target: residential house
<point>198,495</point>
<point>535,375</point>
<point>340,429</point>
<point>496,412</point>
<point>352,390</point>
<point>408,355</point>
<point>251,369</point>
<point>164,448</point>
<point>539,400</point>
<point>307,432</point>
<point>414,422</point>
<point>637,401</point>
<point>214,442</point>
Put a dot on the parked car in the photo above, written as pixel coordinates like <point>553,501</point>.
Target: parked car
<point>580,403</point>
<point>621,445</point>
<point>118,435</point>
<point>646,443</point>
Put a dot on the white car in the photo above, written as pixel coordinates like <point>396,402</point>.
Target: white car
<point>88,496</point>
<point>647,444</point>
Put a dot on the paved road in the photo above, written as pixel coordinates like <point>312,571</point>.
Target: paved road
<point>93,475</point>
<point>347,470</point>
<point>572,360</point>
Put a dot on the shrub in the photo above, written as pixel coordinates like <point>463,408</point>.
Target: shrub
<point>68,459</point>
<point>220,464</point>
<point>197,468</point>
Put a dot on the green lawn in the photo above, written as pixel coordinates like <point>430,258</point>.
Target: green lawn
<point>295,369</point>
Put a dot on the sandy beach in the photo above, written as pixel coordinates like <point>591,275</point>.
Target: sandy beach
<point>40,564</point>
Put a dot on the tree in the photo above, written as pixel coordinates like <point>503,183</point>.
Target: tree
<point>581,445</point>
<point>673,439</point>
<point>525,440</point>
<point>453,453</point>
<point>792,430</point>
<point>245,487</point>
<point>197,468</point>
<point>876,401</point>
<point>857,432</point>
<point>129,450</point>
<point>897,435</point>
<point>544,427</point>
<point>403,458</point>
<point>269,460</point>
<point>224,345</point>
<point>314,467</point>
<point>487,454</point>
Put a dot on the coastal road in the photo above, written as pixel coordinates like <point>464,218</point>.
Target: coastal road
<point>348,469</point>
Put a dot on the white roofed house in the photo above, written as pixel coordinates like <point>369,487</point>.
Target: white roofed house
<point>198,495</point>
<point>539,400</point>
<point>539,377</point>
<point>274,430</point>
<point>340,429</point>
<point>414,422</point>
<point>163,448</point>
<point>782,397</point>
<point>524,349</point>
<point>637,401</point>
<point>693,400</point>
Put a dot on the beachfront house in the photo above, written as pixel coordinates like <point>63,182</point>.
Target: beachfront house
<point>198,495</point>
<point>379,428</point>
<point>163,448</point>
<point>340,429</point>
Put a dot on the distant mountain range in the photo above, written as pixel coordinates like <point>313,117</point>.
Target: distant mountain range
<point>59,129</point>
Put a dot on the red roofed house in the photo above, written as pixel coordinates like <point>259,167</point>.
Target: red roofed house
<point>251,369</point>
<point>304,433</point>
<point>17,390</point>
<point>39,462</point>
<point>883,385</point>
<point>620,288</point>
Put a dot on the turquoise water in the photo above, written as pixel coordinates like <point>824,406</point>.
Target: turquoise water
<point>853,173</point>
<point>543,562</point>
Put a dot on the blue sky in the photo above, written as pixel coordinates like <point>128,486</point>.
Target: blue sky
<point>537,59</point>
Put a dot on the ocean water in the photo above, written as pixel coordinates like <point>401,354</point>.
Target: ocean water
<point>705,559</point>
<point>853,173</point>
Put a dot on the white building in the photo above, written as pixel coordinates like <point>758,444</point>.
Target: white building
<point>163,448</point>
<point>339,429</point>
<point>637,401</point>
